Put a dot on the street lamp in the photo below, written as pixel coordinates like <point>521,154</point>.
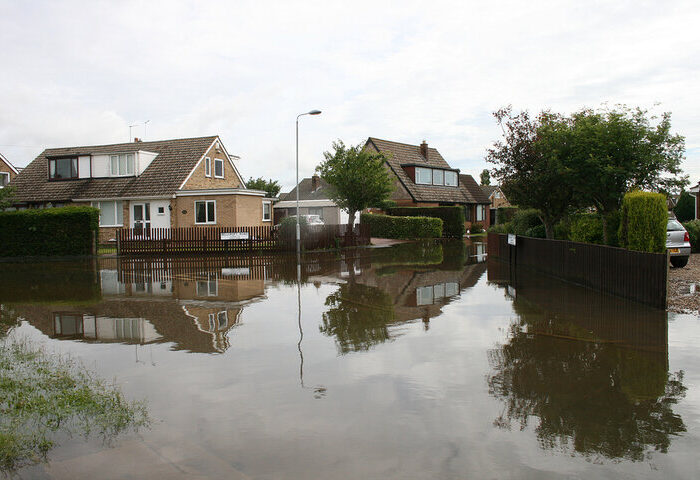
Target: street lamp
<point>312,112</point>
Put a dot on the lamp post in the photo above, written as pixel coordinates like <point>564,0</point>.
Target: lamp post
<point>312,112</point>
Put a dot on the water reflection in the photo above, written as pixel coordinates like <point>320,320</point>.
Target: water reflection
<point>592,369</point>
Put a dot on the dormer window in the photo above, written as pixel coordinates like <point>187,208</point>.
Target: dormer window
<point>436,176</point>
<point>63,168</point>
<point>122,165</point>
<point>450,178</point>
<point>424,176</point>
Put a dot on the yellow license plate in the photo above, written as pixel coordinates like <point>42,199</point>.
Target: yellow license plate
<point>674,250</point>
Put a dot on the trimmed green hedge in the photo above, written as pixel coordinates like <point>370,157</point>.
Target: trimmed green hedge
<point>693,228</point>
<point>387,226</point>
<point>452,217</point>
<point>52,231</point>
<point>643,222</point>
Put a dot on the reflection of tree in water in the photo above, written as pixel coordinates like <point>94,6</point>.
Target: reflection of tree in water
<point>358,317</point>
<point>597,399</point>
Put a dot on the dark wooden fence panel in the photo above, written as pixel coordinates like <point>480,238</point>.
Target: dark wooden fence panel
<point>208,240</point>
<point>637,276</point>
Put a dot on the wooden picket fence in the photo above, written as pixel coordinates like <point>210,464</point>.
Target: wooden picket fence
<point>234,240</point>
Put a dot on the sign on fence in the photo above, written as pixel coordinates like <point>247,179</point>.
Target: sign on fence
<point>511,239</point>
<point>235,236</point>
<point>233,272</point>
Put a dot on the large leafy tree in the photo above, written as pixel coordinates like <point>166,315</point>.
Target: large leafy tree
<point>270,186</point>
<point>532,165</point>
<point>358,177</point>
<point>617,150</point>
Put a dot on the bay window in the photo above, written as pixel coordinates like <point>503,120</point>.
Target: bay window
<point>111,213</point>
<point>205,212</point>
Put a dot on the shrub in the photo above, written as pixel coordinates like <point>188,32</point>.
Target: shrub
<point>52,231</point>
<point>452,217</point>
<point>386,226</point>
<point>502,228</point>
<point>693,228</point>
<point>287,230</point>
<point>536,232</point>
<point>505,214</point>
<point>586,228</point>
<point>643,222</point>
<point>523,220</point>
<point>685,208</point>
<point>476,228</point>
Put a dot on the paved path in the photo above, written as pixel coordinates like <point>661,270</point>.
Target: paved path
<point>684,287</point>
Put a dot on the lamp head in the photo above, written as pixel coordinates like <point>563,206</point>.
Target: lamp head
<point>315,112</point>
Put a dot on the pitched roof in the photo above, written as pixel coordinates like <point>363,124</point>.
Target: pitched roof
<point>404,154</point>
<point>175,160</point>
<point>7,162</point>
<point>307,193</point>
<point>471,190</point>
<point>489,189</point>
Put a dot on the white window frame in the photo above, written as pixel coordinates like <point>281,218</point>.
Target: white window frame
<point>480,213</point>
<point>207,167</point>
<point>4,183</point>
<point>208,287</point>
<point>118,206</point>
<point>127,164</point>
<point>206,210</point>
<point>216,162</point>
<point>456,178</point>
<point>431,176</point>
<point>442,175</point>
<point>158,212</point>
<point>269,212</point>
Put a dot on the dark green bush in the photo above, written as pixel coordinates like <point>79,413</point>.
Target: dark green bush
<point>693,228</point>
<point>536,232</point>
<point>685,208</point>
<point>287,230</point>
<point>452,217</point>
<point>643,222</point>
<point>386,226</point>
<point>476,228</point>
<point>501,228</point>
<point>505,214</point>
<point>52,231</point>
<point>586,228</point>
<point>525,219</point>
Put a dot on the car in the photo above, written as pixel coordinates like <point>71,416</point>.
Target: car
<point>677,243</point>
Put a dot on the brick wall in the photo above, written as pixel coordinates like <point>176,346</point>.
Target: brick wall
<point>199,180</point>
<point>231,210</point>
<point>5,168</point>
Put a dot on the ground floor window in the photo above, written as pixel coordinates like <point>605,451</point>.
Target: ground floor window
<point>267,211</point>
<point>111,213</point>
<point>480,213</point>
<point>316,211</point>
<point>205,211</point>
<point>468,213</point>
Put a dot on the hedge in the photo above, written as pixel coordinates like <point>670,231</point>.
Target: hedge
<point>505,214</point>
<point>693,228</point>
<point>643,222</point>
<point>452,217</point>
<point>387,226</point>
<point>586,228</point>
<point>47,232</point>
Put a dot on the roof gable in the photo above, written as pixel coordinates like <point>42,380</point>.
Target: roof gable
<point>7,162</point>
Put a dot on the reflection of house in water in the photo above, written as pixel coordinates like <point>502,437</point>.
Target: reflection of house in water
<point>104,329</point>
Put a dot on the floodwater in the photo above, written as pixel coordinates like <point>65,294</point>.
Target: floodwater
<point>416,361</point>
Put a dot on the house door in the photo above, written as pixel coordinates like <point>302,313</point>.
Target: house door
<point>142,217</point>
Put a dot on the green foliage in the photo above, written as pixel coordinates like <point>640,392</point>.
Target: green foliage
<point>386,226</point>
<point>524,220</point>
<point>387,205</point>
<point>505,214</point>
<point>500,228</point>
<point>287,230</point>
<point>586,228</point>
<point>536,232</point>
<point>485,177</point>
<point>476,228</point>
<point>271,187</point>
<point>693,228</point>
<point>685,208</point>
<point>452,217</point>
<point>43,397</point>
<point>52,231</point>
<point>358,177</point>
<point>6,196</point>
<point>643,222</point>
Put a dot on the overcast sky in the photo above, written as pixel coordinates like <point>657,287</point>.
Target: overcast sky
<point>79,73</point>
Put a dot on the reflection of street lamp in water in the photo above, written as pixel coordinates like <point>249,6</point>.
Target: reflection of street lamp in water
<point>319,391</point>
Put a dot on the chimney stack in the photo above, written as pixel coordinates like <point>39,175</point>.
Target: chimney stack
<point>137,140</point>
<point>315,182</point>
<point>424,149</point>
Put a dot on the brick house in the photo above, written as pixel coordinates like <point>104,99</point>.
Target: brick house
<point>497,198</point>
<point>313,200</point>
<point>7,171</point>
<point>162,184</point>
<point>422,178</point>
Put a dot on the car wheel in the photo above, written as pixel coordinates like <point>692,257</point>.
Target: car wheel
<point>679,262</point>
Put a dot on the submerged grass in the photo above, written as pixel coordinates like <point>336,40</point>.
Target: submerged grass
<point>43,395</point>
